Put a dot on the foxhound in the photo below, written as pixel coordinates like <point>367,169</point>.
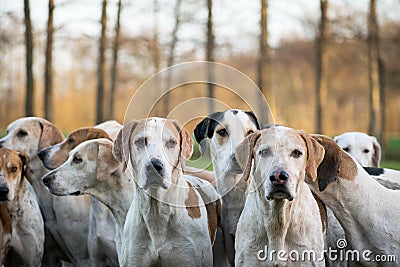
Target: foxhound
<point>102,233</point>
<point>367,210</point>
<point>280,213</point>
<point>66,219</point>
<point>92,169</point>
<point>168,222</point>
<point>23,208</point>
<point>225,130</point>
<point>362,147</point>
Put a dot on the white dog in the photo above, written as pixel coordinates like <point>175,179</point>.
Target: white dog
<point>363,147</point>
<point>168,222</point>
<point>27,222</point>
<point>280,213</point>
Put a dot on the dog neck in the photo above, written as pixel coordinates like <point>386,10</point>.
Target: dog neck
<point>16,206</point>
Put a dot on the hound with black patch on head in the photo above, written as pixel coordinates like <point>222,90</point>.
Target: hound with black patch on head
<point>280,213</point>
<point>169,222</point>
<point>17,196</point>
<point>368,212</point>
<point>226,130</point>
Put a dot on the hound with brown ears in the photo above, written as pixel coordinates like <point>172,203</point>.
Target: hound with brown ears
<point>27,222</point>
<point>280,213</point>
<point>168,222</point>
<point>66,219</point>
<point>368,212</point>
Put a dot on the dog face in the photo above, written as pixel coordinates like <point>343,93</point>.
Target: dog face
<point>89,163</point>
<point>225,130</point>
<point>53,156</point>
<point>156,148</point>
<point>31,135</point>
<point>13,167</point>
<point>363,147</point>
<point>282,158</point>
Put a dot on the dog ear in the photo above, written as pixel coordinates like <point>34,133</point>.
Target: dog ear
<point>244,153</point>
<point>106,162</point>
<point>253,117</point>
<point>315,155</point>
<point>49,136</point>
<point>377,153</point>
<point>205,129</point>
<point>186,144</point>
<point>95,133</point>
<point>26,170</point>
<point>122,145</point>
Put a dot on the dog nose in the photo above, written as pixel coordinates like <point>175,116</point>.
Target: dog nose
<point>157,165</point>
<point>279,177</point>
<point>3,190</point>
<point>47,179</point>
<point>42,154</point>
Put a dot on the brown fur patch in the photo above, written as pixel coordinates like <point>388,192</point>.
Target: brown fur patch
<point>322,213</point>
<point>50,135</point>
<point>192,203</point>
<point>336,163</point>
<point>5,233</point>
<point>212,217</point>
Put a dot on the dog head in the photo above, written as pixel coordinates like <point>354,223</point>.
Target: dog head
<point>89,163</point>
<point>155,149</point>
<point>225,130</point>
<point>282,157</point>
<point>53,156</point>
<point>14,166</point>
<point>31,135</point>
<point>363,147</point>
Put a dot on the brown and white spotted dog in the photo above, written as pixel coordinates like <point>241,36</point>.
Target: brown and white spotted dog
<point>368,212</point>
<point>23,208</point>
<point>170,221</point>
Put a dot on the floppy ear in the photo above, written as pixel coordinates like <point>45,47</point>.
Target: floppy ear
<point>253,118</point>
<point>26,170</point>
<point>186,144</point>
<point>244,153</point>
<point>123,141</point>
<point>315,155</point>
<point>376,157</point>
<point>95,133</point>
<point>201,133</point>
<point>50,135</point>
<point>106,162</point>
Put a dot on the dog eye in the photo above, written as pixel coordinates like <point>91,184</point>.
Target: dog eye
<point>14,169</point>
<point>296,153</point>
<point>171,143</point>
<point>222,133</point>
<point>70,140</point>
<point>265,152</point>
<point>249,132</point>
<point>346,149</point>
<point>366,150</point>
<point>140,142</point>
<point>22,133</point>
<point>77,160</point>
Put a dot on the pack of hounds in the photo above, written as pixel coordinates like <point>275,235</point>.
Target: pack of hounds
<point>122,195</point>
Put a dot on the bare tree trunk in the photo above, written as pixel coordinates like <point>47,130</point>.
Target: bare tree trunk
<point>262,71</point>
<point>375,90</point>
<point>48,72</point>
<point>101,66</point>
<point>321,64</point>
<point>157,53</point>
<point>210,55</point>
<point>171,56</point>
<point>29,61</point>
<point>114,67</point>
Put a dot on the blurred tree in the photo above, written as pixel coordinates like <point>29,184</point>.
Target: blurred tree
<point>171,56</point>
<point>48,72</point>
<point>375,86</point>
<point>210,55</point>
<point>263,72</point>
<point>321,64</point>
<point>29,61</point>
<point>114,66</point>
<point>101,66</point>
